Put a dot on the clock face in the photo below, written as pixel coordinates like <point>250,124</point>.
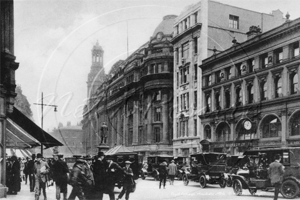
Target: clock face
<point>247,125</point>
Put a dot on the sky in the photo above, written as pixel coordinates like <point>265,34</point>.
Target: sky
<point>54,38</point>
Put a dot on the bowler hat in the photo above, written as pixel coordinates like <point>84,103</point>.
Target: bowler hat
<point>100,154</point>
<point>39,155</point>
<point>127,162</point>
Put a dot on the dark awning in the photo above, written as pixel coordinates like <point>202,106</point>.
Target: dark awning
<point>34,130</point>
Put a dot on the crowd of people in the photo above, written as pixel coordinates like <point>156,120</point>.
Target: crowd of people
<point>89,180</point>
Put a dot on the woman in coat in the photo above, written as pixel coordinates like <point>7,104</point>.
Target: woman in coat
<point>163,171</point>
<point>128,181</point>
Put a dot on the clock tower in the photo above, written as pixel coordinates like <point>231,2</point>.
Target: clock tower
<point>96,75</point>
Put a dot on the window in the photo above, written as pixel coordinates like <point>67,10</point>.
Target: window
<point>263,90</point>
<point>195,72</point>
<point>264,60</point>
<point>238,68</point>
<point>155,69</point>
<point>250,93</point>
<point>294,83</point>
<point>195,127</point>
<point>278,53</point>
<point>141,116</point>
<point>217,100</point>
<point>156,134</point>
<point>177,79</point>
<point>184,128</point>
<point>278,86</point>
<point>177,55</point>
<point>208,80</point>
<point>251,65</point>
<point>185,24</point>
<point>228,73</point>
<point>208,103</point>
<point>233,22</point>
<point>195,45</point>
<point>207,132</point>
<point>227,98</point>
<point>151,70</point>
<point>177,130</point>
<point>158,96</point>
<point>295,49</point>
<point>195,99</point>
<point>141,135</point>
<point>184,74</point>
<point>295,124</point>
<point>177,105</point>
<point>196,16</point>
<point>185,50</point>
<point>271,127</point>
<point>185,101</point>
<point>160,68</point>
<point>238,93</point>
<point>130,136</point>
<point>157,114</point>
<point>218,76</point>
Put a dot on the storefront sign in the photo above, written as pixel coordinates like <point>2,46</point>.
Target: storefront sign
<point>294,142</point>
<point>270,143</point>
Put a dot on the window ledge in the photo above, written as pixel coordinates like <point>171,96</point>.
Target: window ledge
<point>270,139</point>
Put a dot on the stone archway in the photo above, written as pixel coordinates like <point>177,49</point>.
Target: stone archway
<point>223,132</point>
<point>270,126</point>
<point>242,133</point>
<point>294,124</point>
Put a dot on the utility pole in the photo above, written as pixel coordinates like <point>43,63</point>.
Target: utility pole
<point>42,115</point>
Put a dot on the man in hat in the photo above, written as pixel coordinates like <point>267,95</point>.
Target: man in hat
<point>127,182</point>
<point>79,180</point>
<point>31,172</point>
<point>112,169</point>
<point>172,171</point>
<point>41,170</point>
<point>59,171</point>
<point>99,169</point>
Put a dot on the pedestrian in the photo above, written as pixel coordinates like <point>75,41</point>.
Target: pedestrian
<point>163,171</point>
<point>60,171</point>
<point>99,169</point>
<point>26,170</point>
<point>41,169</point>
<point>89,189</point>
<point>112,170</point>
<point>276,171</point>
<point>172,170</point>
<point>79,180</point>
<point>15,184</point>
<point>127,182</point>
<point>31,173</point>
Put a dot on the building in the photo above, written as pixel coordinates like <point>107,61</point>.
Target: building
<point>200,31</point>
<point>251,92</point>
<point>133,107</point>
<point>71,138</point>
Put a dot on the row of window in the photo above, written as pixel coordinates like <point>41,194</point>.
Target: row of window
<point>184,102</point>
<point>261,62</point>
<point>185,49</point>
<point>277,84</point>
<point>186,23</point>
<point>142,137</point>
<point>182,129</point>
<point>183,75</point>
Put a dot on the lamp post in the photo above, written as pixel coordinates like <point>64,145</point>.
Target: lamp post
<point>42,115</point>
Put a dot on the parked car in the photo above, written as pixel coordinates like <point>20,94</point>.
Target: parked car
<point>256,177</point>
<point>207,168</point>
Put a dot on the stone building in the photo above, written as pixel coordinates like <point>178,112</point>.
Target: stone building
<point>201,30</point>
<point>133,107</point>
<point>251,92</point>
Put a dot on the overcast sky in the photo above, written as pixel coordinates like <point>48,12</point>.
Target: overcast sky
<point>54,38</point>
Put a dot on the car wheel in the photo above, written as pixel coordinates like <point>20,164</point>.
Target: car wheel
<point>185,180</point>
<point>222,183</point>
<point>229,182</point>
<point>252,191</point>
<point>202,181</point>
<point>237,187</point>
<point>289,189</point>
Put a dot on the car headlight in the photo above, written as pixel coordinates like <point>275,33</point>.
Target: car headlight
<point>207,177</point>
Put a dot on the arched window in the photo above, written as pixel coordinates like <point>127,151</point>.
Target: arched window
<point>263,90</point>
<point>217,99</point>
<point>207,132</point>
<point>222,132</point>
<point>270,127</point>
<point>227,98</point>
<point>250,93</point>
<point>294,83</point>
<point>295,124</point>
<point>244,134</point>
<point>208,103</point>
<point>238,96</point>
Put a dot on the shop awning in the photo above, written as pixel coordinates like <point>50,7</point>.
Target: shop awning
<point>34,130</point>
<point>17,138</point>
<point>118,149</point>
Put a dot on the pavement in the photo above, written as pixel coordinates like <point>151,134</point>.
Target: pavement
<point>148,189</point>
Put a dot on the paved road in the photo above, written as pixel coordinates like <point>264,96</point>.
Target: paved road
<point>149,190</point>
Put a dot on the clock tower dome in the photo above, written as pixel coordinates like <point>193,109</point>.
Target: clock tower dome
<point>96,75</point>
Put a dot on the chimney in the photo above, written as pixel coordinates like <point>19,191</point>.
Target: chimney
<point>253,31</point>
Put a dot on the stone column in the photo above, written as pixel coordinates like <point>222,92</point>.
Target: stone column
<point>149,119</point>
<point>3,143</point>
<point>135,123</point>
<point>165,115</point>
<point>284,128</point>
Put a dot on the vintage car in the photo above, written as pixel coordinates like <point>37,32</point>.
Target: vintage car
<point>233,165</point>
<point>256,177</point>
<point>154,162</point>
<point>207,168</point>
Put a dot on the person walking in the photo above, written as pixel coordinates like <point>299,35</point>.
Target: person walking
<point>163,171</point>
<point>99,170</point>
<point>26,170</point>
<point>79,180</point>
<point>59,171</point>
<point>15,176</point>
<point>172,171</point>
<point>41,169</point>
<point>276,171</point>
<point>127,182</point>
<point>31,173</point>
<point>112,170</point>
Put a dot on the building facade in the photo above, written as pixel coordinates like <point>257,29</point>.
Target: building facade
<point>133,107</point>
<point>251,92</point>
<point>199,32</point>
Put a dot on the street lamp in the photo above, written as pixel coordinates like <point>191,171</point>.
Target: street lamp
<point>42,115</point>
